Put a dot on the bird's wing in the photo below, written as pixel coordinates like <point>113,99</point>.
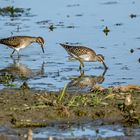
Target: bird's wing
<point>81,51</point>
<point>67,48</point>
<point>77,51</point>
<point>11,41</point>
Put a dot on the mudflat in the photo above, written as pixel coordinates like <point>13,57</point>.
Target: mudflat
<point>34,108</point>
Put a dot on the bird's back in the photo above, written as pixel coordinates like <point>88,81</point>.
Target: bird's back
<point>10,41</point>
<point>15,41</point>
<point>77,50</point>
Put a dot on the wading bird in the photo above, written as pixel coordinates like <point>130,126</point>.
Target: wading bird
<point>20,42</point>
<point>83,54</point>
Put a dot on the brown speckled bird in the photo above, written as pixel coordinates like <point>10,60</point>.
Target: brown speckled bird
<point>20,42</point>
<point>83,54</point>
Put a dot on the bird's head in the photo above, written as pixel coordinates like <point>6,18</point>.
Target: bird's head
<point>40,41</point>
<point>101,59</point>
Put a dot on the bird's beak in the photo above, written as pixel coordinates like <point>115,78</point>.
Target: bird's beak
<point>42,48</point>
<point>104,65</point>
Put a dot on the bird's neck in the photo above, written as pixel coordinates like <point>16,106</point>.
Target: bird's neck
<point>33,39</point>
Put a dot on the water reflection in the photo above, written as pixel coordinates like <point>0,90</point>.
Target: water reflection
<point>30,135</point>
<point>28,19</point>
<point>84,83</point>
<point>88,131</point>
<point>81,131</point>
<point>20,71</point>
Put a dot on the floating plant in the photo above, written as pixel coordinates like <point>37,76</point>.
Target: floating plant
<point>13,11</point>
<point>106,30</point>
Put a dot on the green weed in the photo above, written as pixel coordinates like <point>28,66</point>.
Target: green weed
<point>62,93</point>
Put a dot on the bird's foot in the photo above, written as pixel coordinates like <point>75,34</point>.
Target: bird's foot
<point>81,73</point>
<point>11,56</point>
<point>80,68</point>
<point>18,57</point>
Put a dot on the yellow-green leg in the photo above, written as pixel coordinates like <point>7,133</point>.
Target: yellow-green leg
<point>79,59</point>
<point>81,63</point>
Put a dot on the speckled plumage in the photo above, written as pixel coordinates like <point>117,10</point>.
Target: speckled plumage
<point>78,50</point>
<point>19,42</point>
<point>83,53</point>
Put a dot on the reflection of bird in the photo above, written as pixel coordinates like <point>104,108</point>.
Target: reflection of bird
<point>85,82</point>
<point>82,54</point>
<point>30,135</point>
<point>21,71</point>
<point>19,42</point>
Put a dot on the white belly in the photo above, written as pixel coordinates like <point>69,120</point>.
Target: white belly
<point>85,57</point>
<point>21,47</point>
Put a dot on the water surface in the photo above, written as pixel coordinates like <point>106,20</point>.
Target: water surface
<point>79,22</point>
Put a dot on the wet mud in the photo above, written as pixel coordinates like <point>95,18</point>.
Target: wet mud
<point>26,108</point>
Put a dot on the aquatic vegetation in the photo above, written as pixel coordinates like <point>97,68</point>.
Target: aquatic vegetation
<point>7,79</point>
<point>62,93</point>
<point>96,99</point>
<point>51,27</point>
<point>80,100</point>
<point>133,16</point>
<point>13,11</point>
<point>106,30</point>
<point>76,101</point>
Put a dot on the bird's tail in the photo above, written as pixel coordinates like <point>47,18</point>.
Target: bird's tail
<point>67,47</point>
<point>61,44</point>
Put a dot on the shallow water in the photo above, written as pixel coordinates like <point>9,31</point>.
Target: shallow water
<point>88,131</point>
<point>79,22</point>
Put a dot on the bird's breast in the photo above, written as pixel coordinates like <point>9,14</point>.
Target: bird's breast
<point>86,57</point>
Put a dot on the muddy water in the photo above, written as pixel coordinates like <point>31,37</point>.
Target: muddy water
<point>79,22</point>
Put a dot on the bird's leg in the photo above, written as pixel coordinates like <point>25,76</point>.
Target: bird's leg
<point>81,63</point>
<point>12,53</point>
<point>81,73</point>
<point>80,67</point>
<point>105,65</point>
<point>79,77</point>
<point>18,54</point>
<point>104,72</point>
